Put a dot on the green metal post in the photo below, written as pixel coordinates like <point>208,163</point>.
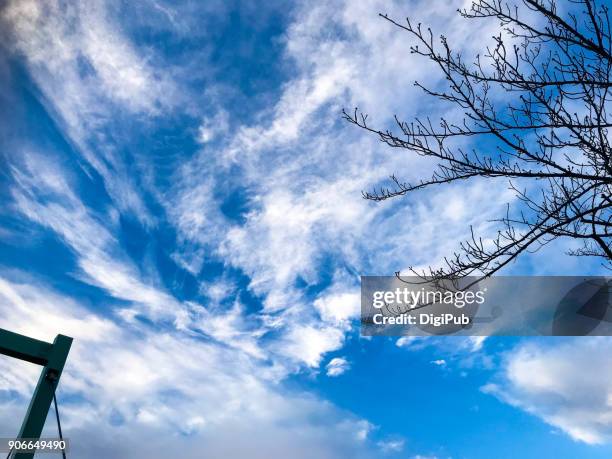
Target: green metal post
<point>52,357</point>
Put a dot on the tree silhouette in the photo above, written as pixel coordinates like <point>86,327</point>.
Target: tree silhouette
<point>538,100</point>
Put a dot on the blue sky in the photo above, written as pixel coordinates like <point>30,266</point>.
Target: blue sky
<point>180,195</point>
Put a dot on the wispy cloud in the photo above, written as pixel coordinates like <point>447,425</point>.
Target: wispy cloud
<point>212,369</point>
<point>567,384</point>
<point>337,366</point>
<point>303,172</point>
<point>154,384</point>
<point>44,195</point>
<point>89,74</point>
<point>391,446</point>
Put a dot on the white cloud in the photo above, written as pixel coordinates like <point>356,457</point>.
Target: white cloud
<point>90,75</point>
<point>391,446</point>
<point>213,127</point>
<point>338,308</point>
<point>337,366</point>
<point>45,196</point>
<point>59,39</point>
<point>567,383</point>
<point>304,174</point>
<point>453,345</point>
<point>308,343</point>
<point>439,362</point>
<point>141,386</point>
<point>477,342</point>
<point>364,429</point>
<point>408,341</point>
<point>232,328</point>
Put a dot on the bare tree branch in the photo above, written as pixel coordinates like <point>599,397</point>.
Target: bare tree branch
<point>551,132</point>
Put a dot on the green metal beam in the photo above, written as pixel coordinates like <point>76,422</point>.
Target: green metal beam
<point>24,348</point>
<point>53,358</point>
